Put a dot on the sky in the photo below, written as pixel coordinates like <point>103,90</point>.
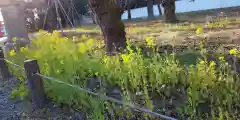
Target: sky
<point>184,6</point>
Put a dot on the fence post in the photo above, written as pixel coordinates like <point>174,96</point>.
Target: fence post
<point>5,73</point>
<point>35,83</point>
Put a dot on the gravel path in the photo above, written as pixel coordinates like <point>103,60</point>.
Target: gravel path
<point>22,110</point>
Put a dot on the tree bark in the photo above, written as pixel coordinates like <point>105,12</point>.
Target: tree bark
<point>169,10</point>
<point>93,18</point>
<point>108,16</point>
<point>150,9</point>
<point>51,21</point>
<point>159,10</point>
<point>129,10</point>
<point>91,14</point>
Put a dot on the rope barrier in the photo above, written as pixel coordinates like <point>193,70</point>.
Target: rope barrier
<point>15,65</point>
<point>104,97</point>
<point>107,98</point>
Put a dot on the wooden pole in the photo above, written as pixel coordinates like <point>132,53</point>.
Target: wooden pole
<point>35,83</point>
<point>5,73</point>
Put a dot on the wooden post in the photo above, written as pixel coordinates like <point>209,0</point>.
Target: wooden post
<point>35,83</point>
<point>5,73</point>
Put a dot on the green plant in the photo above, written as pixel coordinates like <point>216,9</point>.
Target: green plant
<point>156,80</point>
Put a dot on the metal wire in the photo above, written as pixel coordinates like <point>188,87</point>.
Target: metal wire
<point>104,97</point>
<point>14,64</point>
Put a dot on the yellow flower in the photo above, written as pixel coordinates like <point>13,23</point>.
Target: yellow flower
<point>221,58</point>
<point>191,65</point>
<point>56,33</point>
<point>105,59</point>
<point>22,49</point>
<point>199,30</point>
<point>150,42</point>
<point>84,36</point>
<point>202,62</point>
<point>82,48</point>
<point>233,51</point>
<point>125,57</point>
<point>90,43</point>
<point>12,53</point>
<point>14,39</point>
<point>212,64</point>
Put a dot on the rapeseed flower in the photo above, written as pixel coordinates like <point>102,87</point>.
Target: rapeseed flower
<point>221,58</point>
<point>23,49</point>
<point>199,30</point>
<point>125,58</point>
<point>233,51</point>
<point>212,64</point>
<point>150,42</point>
<point>84,36</point>
<point>202,62</point>
<point>12,53</point>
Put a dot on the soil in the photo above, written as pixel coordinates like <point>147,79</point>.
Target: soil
<point>23,110</point>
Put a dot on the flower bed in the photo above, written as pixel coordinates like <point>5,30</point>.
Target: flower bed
<point>158,82</point>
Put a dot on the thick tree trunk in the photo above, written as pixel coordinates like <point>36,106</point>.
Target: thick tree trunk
<point>169,10</point>
<point>150,9</point>
<point>108,16</point>
<point>159,10</point>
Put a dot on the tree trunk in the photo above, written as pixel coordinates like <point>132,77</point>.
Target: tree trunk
<point>159,10</point>
<point>129,10</point>
<point>129,14</point>
<point>150,9</point>
<point>50,18</point>
<point>93,18</point>
<point>169,10</point>
<point>108,16</point>
<point>40,21</point>
<point>51,21</point>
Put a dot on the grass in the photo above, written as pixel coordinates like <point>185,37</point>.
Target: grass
<point>180,85</point>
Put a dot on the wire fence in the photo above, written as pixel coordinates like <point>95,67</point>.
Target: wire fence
<point>103,97</point>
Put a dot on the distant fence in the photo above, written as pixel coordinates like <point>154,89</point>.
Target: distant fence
<point>36,86</point>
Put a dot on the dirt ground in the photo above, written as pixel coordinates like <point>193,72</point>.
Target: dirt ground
<point>16,109</point>
<point>179,33</point>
